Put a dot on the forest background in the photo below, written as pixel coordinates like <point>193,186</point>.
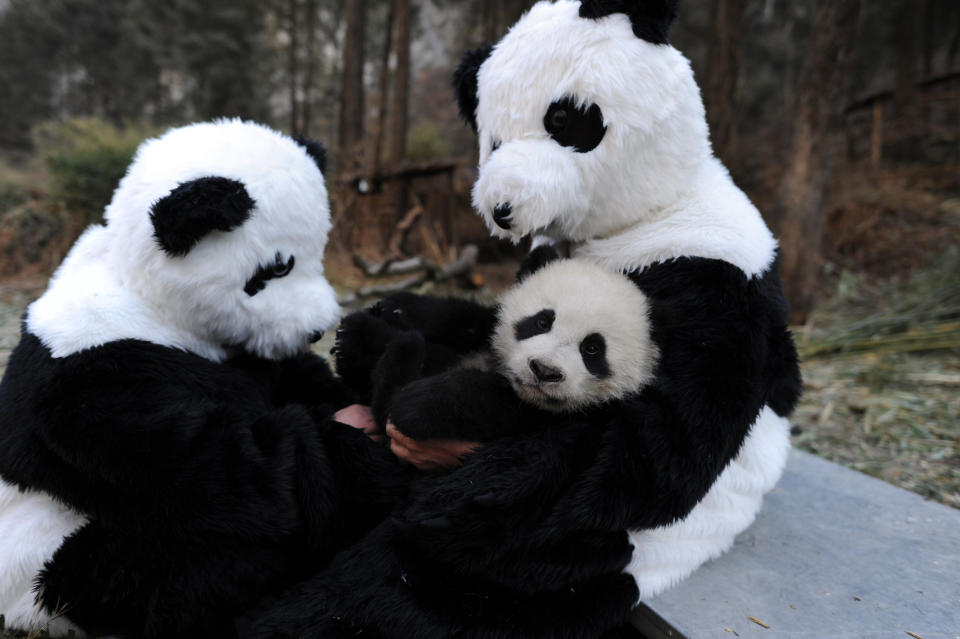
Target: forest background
<point>839,118</point>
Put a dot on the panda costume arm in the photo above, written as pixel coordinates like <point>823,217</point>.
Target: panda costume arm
<point>199,445</point>
<point>725,353</point>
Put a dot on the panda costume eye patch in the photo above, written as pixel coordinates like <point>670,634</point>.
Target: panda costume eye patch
<point>534,325</point>
<point>580,127</point>
<point>275,270</point>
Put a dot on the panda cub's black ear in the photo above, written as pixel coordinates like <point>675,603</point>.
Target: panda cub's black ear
<point>465,83</point>
<point>536,260</point>
<point>651,19</point>
<point>315,150</point>
<point>195,208</point>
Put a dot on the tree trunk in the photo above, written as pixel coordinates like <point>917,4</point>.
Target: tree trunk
<point>311,63</point>
<point>798,212</point>
<point>491,11</point>
<point>292,65</point>
<point>351,95</point>
<point>401,82</point>
<point>909,120</point>
<point>722,80</point>
<point>381,132</point>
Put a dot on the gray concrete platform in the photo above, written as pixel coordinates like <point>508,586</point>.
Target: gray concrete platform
<point>833,554</point>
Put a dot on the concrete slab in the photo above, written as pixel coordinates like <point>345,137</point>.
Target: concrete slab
<point>833,554</point>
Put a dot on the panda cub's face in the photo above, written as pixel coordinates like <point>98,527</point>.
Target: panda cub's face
<point>573,335</point>
<point>587,119</point>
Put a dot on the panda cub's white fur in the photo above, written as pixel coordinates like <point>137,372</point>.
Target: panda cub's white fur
<point>585,300</point>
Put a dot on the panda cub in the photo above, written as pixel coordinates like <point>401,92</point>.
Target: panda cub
<point>570,336</point>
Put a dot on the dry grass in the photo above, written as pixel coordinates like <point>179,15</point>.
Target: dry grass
<point>882,379</point>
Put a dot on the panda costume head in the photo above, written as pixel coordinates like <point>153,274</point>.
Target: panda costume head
<point>573,335</point>
<point>214,240</point>
<point>592,130</point>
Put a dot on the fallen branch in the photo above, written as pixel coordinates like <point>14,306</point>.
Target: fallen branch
<point>462,268</point>
<point>927,338</point>
<point>393,267</point>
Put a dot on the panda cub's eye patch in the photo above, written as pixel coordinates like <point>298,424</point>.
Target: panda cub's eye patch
<point>580,127</point>
<point>534,325</point>
<point>266,272</point>
<point>593,350</point>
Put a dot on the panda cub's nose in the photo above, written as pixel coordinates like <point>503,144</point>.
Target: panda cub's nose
<point>501,216</point>
<point>545,373</point>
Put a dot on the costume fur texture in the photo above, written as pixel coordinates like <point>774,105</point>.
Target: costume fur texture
<point>592,132</point>
<point>166,451</point>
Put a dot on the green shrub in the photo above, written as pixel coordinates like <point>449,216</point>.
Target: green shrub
<point>11,195</point>
<point>428,141</point>
<point>86,157</point>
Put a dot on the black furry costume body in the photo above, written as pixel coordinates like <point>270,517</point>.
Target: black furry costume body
<point>231,482</point>
<point>202,470</point>
<point>528,538</point>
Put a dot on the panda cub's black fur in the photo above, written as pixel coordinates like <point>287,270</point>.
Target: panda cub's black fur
<point>453,368</point>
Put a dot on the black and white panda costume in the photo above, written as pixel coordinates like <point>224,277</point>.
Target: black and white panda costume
<point>592,131</point>
<point>165,448</point>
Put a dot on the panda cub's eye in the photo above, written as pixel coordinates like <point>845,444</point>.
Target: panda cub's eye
<point>593,349</point>
<point>534,325</point>
<point>579,127</point>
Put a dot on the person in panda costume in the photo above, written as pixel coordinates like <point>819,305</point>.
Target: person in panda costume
<point>592,134</point>
<point>167,451</point>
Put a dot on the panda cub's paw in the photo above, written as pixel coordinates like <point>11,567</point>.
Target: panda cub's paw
<point>361,341</point>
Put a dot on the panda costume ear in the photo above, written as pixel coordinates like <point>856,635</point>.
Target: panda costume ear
<point>536,260</point>
<point>315,150</point>
<point>465,83</point>
<point>651,19</point>
<point>195,208</point>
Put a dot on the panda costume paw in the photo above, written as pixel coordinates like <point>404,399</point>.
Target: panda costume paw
<point>166,446</point>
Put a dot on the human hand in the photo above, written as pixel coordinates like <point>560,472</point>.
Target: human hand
<point>360,417</point>
<point>428,454</point>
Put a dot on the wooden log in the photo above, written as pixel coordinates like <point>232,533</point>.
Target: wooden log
<point>876,136</point>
